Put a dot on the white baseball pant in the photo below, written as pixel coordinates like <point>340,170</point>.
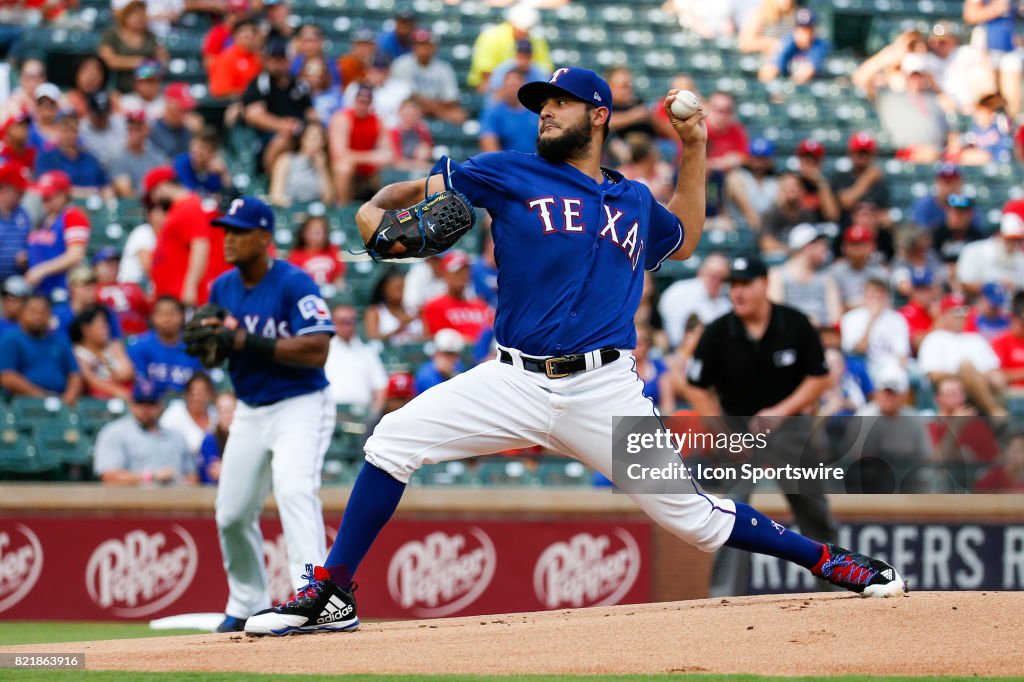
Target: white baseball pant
<point>495,407</point>
<point>281,444</point>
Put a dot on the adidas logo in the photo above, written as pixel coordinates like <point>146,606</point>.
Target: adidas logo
<point>888,574</point>
<point>334,610</point>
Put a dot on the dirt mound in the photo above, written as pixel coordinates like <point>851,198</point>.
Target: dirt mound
<point>961,633</point>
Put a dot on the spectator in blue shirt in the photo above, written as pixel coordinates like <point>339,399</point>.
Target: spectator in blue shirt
<point>989,139</point>
<point>159,355</point>
<point>444,363</point>
<point>87,174</point>
<point>506,125</point>
<point>212,448</point>
<point>398,41</point>
<point>930,211</point>
<point>36,362</point>
<point>802,54</point>
<point>202,169</point>
<point>14,220</point>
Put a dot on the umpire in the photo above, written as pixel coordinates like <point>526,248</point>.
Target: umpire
<point>766,360</point>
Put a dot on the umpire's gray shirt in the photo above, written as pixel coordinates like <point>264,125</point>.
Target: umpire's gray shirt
<point>124,444</point>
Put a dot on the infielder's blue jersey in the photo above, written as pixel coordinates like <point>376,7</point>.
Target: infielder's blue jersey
<point>285,303</point>
<point>571,253</point>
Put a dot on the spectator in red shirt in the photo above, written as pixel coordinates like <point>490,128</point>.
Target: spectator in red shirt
<point>188,252</point>
<point>315,254</point>
<point>358,145</point>
<point>126,299</point>
<point>14,141</point>
<point>1009,347</point>
<point>727,138</point>
<point>1008,474</point>
<point>218,38</point>
<point>919,309</point>
<point>235,67</point>
<point>469,317</point>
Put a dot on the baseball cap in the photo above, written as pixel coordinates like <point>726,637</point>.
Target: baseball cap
<point>67,114</point>
<point>47,91</point>
<point>14,175</point>
<point>762,147</point>
<point>136,116</point>
<point>381,61</point>
<point>52,182</point>
<point>806,17</point>
<point>99,102</point>
<point>105,254</point>
<point>746,269</point>
<point>422,35</point>
<point>15,286</point>
<point>1011,225</point>
<point>947,170</point>
<point>960,201</point>
<point>802,235</point>
<point>146,391</point>
<point>180,93</point>
<point>581,84</point>
<point>862,141</point>
<point>810,147</point>
<point>405,15</point>
<point>524,46</point>
<point>149,69</point>
<point>455,260</point>
<point>238,5</point>
<point>522,16</point>
<point>995,293</point>
<point>247,213</point>
<point>400,385</point>
<point>914,62</point>
<point>276,47</point>
<point>364,92</point>
<point>448,341</point>
<point>892,377</point>
<point>858,234</point>
<point>154,177</point>
<point>83,274</point>
<point>364,35</point>
<point>953,302</point>
<point>921,277</point>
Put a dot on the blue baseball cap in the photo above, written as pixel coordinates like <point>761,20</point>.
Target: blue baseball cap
<point>106,253</point>
<point>921,277</point>
<point>247,213</point>
<point>146,391</point>
<point>960,201</point>
<point>581,84</point>
<point>994,293</point>
<point>762,147</point>
<point>806,17</point>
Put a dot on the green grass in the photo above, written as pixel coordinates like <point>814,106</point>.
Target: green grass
<point>42,632</point>
<point>101,676</point>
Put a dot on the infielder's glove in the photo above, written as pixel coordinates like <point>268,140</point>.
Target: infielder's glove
<point>210,342</point>
<point>426,229</point>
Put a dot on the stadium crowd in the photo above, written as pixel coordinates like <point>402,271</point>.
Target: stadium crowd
<point>920,306</point>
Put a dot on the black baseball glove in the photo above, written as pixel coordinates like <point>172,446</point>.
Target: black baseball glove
<point>426,229</point>
<point>211,342</point>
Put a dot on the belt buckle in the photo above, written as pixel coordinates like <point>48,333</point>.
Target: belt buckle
<point>549,370</point>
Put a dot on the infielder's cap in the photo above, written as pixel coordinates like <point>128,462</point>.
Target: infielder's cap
<point>13,174</point>
<point>806,17</point>
<point>581,84</point>
<point>247,213</point>
<point>995,293</point>
<point>762,147</point>
<point>146,391</point>
<point>947,170</point>
<point>52,182</point>
<point>960,201</point>
<point>47,91</point>
<point>16,286</point>
<point>1011,225</point>
<point>921,276</point>
<point>747,269</point>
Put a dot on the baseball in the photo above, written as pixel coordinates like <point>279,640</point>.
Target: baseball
<point>685,105</point>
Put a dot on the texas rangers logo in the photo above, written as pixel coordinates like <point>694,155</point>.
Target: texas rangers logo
<point>314,307</point>
<point>235,205</point>
<point>587,570</point>
<point>557,74</point>
<point>21,562</point>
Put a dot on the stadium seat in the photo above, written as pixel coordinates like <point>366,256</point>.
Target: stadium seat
<point>563,472</point>
<point>21,458</point>
<point>504,471</point>
<point>444,473</point>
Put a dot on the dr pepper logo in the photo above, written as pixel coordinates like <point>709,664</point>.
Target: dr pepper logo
<point>587,570</point>
<point>21,562</point>
<point>442,574</point>
<point>141,573</point>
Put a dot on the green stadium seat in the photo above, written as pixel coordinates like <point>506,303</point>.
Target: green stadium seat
<point>22,459</point>
<point>504,471</point>
<point>444,473</point>
<point>72,449</point>
<point>94,413</point>
<point>563,472</point>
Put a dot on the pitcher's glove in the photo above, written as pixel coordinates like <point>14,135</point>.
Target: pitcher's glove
<point>210,342</point>
<point>426,229</point>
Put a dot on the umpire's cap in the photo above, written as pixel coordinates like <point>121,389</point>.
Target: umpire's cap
<point>581,84</point>
<point>247,213</point>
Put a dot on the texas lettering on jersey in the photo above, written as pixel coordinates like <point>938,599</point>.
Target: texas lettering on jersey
<point>566,215</point>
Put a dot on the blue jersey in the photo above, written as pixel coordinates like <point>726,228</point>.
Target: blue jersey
<point>168,367</point>
<point>285,303</point>
<point>14,229</point>
<point>571,252</point>
<point>46,361</point>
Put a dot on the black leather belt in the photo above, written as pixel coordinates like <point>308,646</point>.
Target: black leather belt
<point>560,366</point>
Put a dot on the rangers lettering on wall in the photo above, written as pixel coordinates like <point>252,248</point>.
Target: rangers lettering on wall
<point>21,562</point>
<point>140,574</point>
<point>443,574</point>
<point>587,570</point>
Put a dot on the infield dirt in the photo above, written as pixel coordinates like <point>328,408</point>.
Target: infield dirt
<point>935,633</point>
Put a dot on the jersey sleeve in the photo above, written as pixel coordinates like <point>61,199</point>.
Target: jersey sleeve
<point>76,226</point>
<point>308,312</point>
<point>664,236</point>
<point>482,178</point>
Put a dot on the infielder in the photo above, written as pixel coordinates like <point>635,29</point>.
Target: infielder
<point>267,319</point>
<point>572,241</point>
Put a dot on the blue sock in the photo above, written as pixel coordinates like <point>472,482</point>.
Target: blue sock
<point>374,498</point>
<point>755,532</point>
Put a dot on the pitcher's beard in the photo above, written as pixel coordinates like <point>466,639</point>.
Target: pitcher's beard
<point>570,145</point>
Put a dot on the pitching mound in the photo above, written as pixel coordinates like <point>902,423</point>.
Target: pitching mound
<point>962,633</point>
